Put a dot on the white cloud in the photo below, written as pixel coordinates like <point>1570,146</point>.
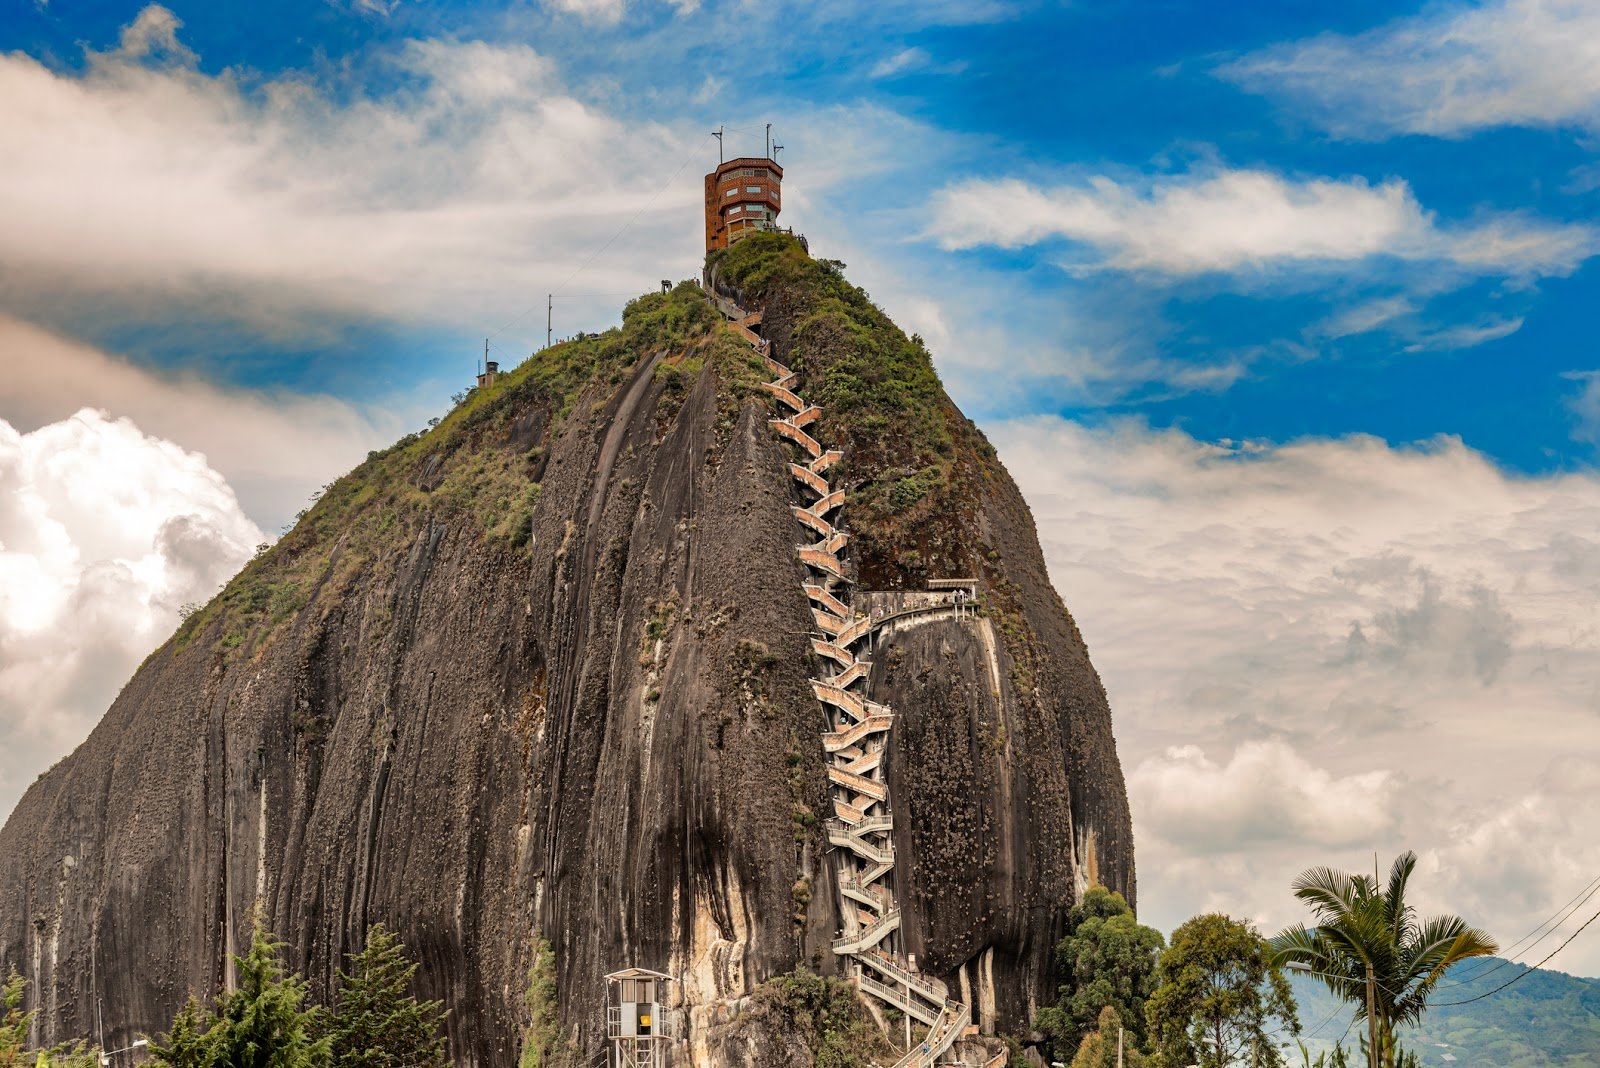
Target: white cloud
<point>593,10</point>
<point>1365,317</point>
<point>105,533</point>
<point>455,199</point>
<point>1248,220</point>
<point>1318,649</point>
<point>1466,335</point>
<point>1266,793</point>
<point>1585,405</point>
<point>274,448</point>
<point>154,32</point>
<point>902,62</point>
<point>1453,70</point>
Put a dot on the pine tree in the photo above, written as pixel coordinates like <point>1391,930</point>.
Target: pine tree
<point>379,1024</point>
<point>15,1022</point>
<point>263,1023</point>
<point>186,1045</point>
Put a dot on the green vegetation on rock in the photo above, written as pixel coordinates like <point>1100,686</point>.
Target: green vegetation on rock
<point>543,1044</point>
<point>467,468</point>
<point>879,391</point>
<point>825,1015</point>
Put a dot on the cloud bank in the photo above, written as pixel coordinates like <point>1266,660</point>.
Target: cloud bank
<point>1248,220</point>
<point>105,534</point>
<point>1449,72</point>
<point>462,191</point>
<point>1327,647</point>
<point>273,448</point>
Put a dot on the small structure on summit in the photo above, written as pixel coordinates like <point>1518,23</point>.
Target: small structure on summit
<point>742,196</point>
<point>634,1025</point>
<point>491,371</point>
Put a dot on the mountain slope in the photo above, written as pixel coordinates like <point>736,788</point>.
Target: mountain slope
<point>1543,1020</point>
<point>542,673</point>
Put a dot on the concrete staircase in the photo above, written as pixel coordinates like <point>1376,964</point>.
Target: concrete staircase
<point>858,736</point>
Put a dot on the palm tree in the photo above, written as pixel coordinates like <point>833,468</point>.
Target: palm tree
<point>1369,948</point>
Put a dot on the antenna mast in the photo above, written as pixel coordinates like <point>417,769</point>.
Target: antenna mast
<point>717,133</point>
<point>769,140</point>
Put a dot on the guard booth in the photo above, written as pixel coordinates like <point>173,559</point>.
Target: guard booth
<point>638,1033</point>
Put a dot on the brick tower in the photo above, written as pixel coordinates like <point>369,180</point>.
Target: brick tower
<point>742,196</point>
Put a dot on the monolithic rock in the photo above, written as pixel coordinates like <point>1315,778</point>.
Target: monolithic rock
<point>541,674</point>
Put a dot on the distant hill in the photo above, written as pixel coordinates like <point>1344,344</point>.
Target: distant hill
<point>1545,1019</point>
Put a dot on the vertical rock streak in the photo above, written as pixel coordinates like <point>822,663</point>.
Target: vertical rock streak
<point>861,828</point>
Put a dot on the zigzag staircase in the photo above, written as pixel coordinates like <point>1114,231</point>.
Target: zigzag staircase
<point>862,826</point>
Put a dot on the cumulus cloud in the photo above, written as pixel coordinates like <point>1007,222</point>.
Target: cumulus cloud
<point>273,448</point>
<point>154,32</point>
<point>1453,70</point>
<point>1247,220</point>
<point>1326,647</point>
<point>479,181</point>
<point>1265,793</point>
<point>105,534</point>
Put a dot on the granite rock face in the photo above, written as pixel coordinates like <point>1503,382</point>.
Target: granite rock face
<point>597,731</point>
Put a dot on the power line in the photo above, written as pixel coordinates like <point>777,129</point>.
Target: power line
<point>1519,976</point>
<point>1561,916</point>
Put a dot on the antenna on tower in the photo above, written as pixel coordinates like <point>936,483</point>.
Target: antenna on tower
<point>769,140</point>
<point>717,133</point>
<point>776,148</point>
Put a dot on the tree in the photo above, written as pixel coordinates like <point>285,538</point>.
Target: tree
<point>186,1045</point>
<point>1099,1048</point>
<point>1106,959</point>
<point>1218,993</point>
<point>15,1023</point>
<point>378,1023</point>
<point>1369,948</point>
<point>261,1024</point>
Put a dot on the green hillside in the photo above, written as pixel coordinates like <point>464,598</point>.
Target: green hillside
<point>1544,1019</point>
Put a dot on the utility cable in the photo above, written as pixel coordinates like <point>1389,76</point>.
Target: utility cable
<point>1561,916</point>
<point>1520,975</point>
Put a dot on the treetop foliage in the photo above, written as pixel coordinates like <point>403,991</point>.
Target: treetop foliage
<point>1220,1000</point>
<point>1107,959</point>
<point>265,1021</point>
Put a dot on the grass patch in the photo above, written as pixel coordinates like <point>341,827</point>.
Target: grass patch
<point>878,391</point>
<point>472,467</point>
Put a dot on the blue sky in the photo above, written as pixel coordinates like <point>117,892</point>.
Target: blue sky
<point>1048,94</point>
<point>1281,314</point>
